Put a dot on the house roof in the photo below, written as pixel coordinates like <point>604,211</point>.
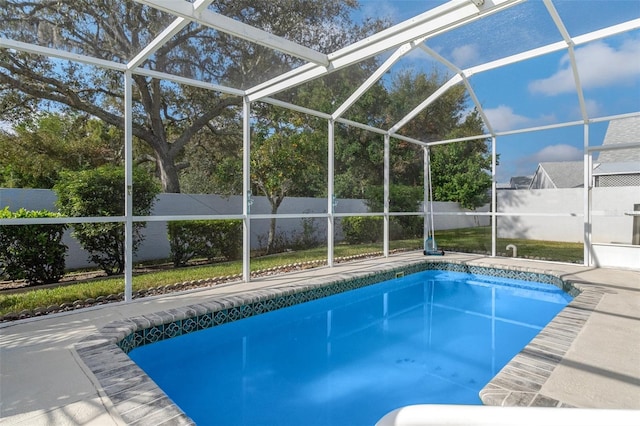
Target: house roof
<point>570,174</point>
<point>623,131</point>
<point>564,174</point>
<point>520,182</point>
<point>626,167</point>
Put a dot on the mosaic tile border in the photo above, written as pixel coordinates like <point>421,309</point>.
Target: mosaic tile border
<point>139,401</point>
<point>217,315</point>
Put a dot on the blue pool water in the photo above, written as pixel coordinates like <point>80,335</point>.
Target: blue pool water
<point>348,359</point>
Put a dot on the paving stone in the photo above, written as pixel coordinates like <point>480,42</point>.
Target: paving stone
<point>169,415</point>
<point>512,372</point>
<point>121,383</point>
<point>540,345</point>
<point>518,399</point>
<point>543,401</point>
<point>494,397</point>
<point>515,384</point>
<point>538,354</point>
<point>143,408</point>
<point>541,369</point>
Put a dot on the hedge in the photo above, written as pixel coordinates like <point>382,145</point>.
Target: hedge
<point>34,253</point>
<point>204,239</point>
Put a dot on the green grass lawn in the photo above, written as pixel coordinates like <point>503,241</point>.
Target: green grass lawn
<point>479,240</point>
<point>464,240</point>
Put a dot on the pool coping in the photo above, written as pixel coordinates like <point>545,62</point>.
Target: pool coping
<point>137,399</point>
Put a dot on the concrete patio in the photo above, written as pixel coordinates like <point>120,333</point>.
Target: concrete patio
<point>44,381</point>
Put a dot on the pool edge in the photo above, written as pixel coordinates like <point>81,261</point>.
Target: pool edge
<point>136,398</point>
<point>520,382</point>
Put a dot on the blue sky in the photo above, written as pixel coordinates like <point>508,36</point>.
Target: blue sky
<point>540,91</point>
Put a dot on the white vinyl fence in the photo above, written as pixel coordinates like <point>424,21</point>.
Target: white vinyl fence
<point>156,243</point>
<point>532,218</point>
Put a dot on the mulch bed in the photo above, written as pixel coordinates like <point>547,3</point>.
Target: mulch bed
<point>12,287</point>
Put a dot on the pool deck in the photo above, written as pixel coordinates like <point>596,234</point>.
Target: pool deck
<point>44,380</point>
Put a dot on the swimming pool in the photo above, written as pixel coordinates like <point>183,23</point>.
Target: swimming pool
<point>431,337</point>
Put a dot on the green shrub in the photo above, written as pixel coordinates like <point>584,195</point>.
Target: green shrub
<point>309,236</point>
<point>402,198</point>
<point>34,253</point>
<point>100,192</point>
<point>362,229</point>
<point>204,238</point>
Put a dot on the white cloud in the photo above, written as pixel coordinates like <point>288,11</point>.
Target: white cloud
<point>417,55</point>
<point>593,107</point>
<point>504,118</point>
<point>599,65</point>
<point>526,165</point>
<point>559,152</point>
<point>465,55</point>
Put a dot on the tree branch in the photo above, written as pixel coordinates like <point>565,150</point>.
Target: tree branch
<point>40,87</point>
<point>202,121</point>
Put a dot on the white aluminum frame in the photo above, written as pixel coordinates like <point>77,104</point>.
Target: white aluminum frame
<point>400,39</point>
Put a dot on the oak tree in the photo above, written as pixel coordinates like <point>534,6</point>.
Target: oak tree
<point>166,115</point>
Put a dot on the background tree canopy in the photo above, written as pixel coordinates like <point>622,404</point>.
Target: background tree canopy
<point>40,147</point>
<point>167,116</point>
<point>192,135</point>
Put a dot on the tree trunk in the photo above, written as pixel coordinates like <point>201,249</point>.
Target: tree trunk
<point>168,173</point>
<point>271,240</point>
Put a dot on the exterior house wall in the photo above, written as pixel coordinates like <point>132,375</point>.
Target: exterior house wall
<point>617,180</point>
<point>541,180</point>
<point>609,222</point>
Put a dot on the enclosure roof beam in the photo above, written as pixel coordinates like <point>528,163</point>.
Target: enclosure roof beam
<point>361,126</point>
<point>60,54</point>
<point>409,139</point>
<point>187,81</point>
<point>377,75</point>
<point>572,56</point>
<point>621,28</point>
<point>323,115</point>
<point>433,22</point>
<point>238,29</point>
<point>174,28</point>
<point>465,80</point>
<point>555,47</point>
<point>435,95</point>
<point>614,117</point>
<point>297,108</point>
<point>464,139</point>
<point>540,128</point>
